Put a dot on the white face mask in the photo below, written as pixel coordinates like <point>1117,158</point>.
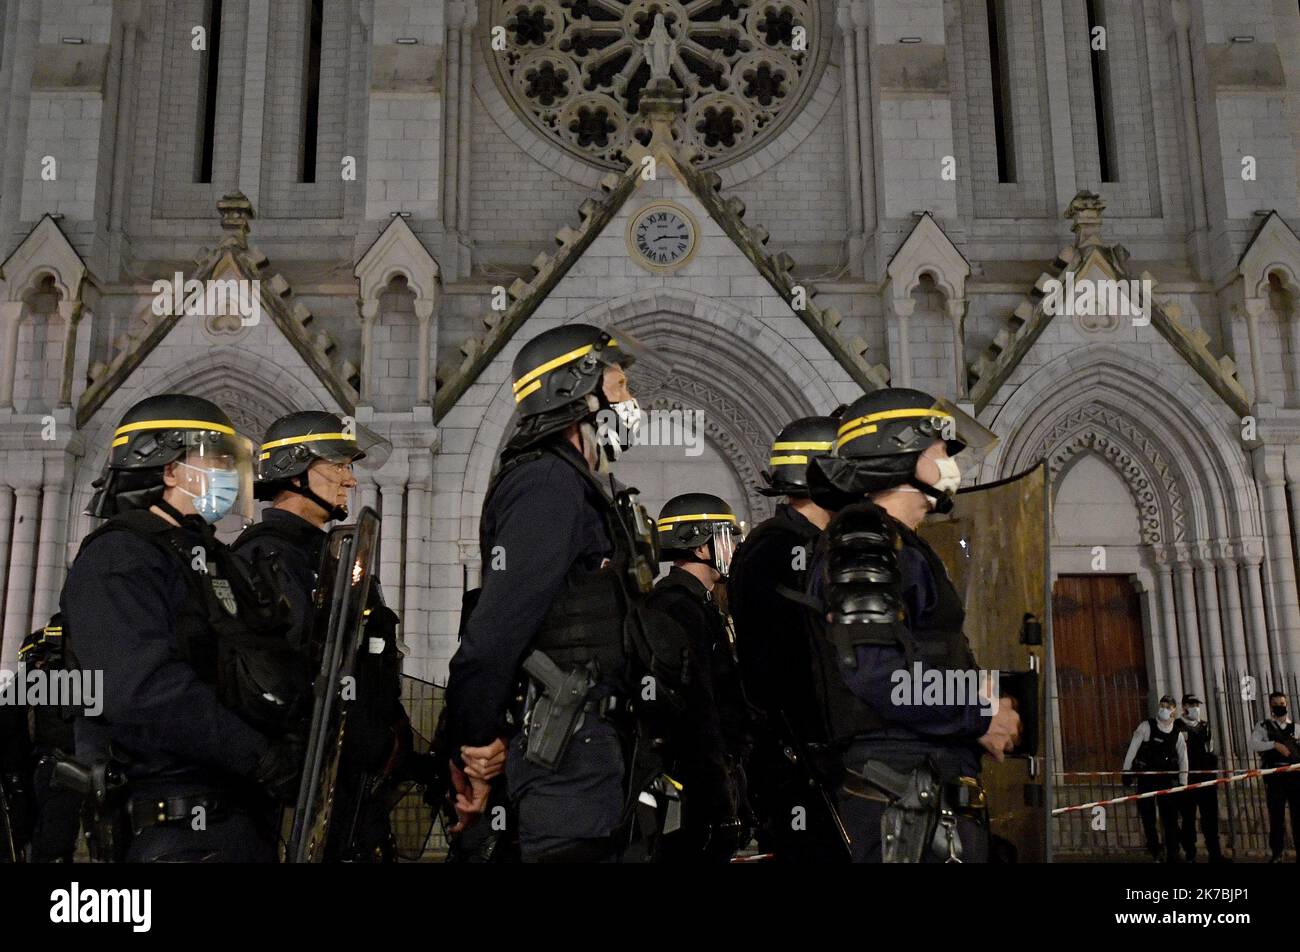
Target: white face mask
<point>949,475</point>
<point>1193,714</point>
<point>1164,714</point>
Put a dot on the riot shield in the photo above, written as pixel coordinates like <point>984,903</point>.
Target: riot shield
<point>347,566</point>
<point>995,544</point>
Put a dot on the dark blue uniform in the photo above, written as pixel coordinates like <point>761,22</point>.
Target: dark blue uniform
<point>542,525</point>
<point>377,723</point>
<point>121,605</point>
<point>908,735</point>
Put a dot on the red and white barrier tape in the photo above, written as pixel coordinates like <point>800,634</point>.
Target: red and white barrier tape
<point>1247,775</point>
<point>1135,773</point>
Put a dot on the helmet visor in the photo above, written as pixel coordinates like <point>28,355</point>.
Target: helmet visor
<point>216,470</point>
<point>726,536</point>
<point>968,440</point>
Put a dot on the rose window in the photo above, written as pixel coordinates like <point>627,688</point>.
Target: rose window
<point>577,70</point>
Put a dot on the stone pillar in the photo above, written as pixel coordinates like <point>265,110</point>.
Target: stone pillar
<point>392,488</point>
<point>415,609</point>
<point>424,314</point>
<point>70,311</point>
<point>53,548</point>
<point>11,319</point>
<point>1212,651</point>
<point>369,314</point>
<point>1235,623</point>
<point>1172,657</point>
<point>22,568</point>
<point>1254,308</point>
<point>957,318</point>
<point>901,373</point>
<point>866,129</point>
<point>850,90</point>
<point>257,51</point>
<point>1193,679</point>
<point>1260,662</point>
<point>468,18</point>
<point>1270,476</point>
<point>1180,16</point>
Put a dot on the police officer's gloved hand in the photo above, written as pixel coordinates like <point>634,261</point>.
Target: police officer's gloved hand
<point>280,769</point>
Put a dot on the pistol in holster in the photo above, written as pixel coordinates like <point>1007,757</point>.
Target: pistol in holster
<point>103,788</point>
<point>921,811</point>
<point>555,708</point>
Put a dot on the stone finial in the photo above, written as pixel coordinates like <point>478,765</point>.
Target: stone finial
<point>1085,211</point>
<point>236,212</point>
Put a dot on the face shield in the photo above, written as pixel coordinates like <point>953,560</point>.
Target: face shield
<point>216,471</point>
<point>968,441</point>
<point>726,536</point>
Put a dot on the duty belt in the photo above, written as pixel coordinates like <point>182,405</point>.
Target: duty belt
<point>921,811</point>
<point>160,810</point>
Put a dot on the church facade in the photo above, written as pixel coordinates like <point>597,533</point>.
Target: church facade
<point>853,193</point>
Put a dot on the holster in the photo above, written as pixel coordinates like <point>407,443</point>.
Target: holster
<point>104,790</point>
<point>921,811</point>
<point>554,712</point>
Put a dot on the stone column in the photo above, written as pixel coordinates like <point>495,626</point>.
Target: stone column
<point>1254,308</point>
<point>1261,663</point>
<point>424,314</point>
<point>22,567</point>
<point>391,492</point>
<point>369,314</point>
<point>1212,651</point>
<point>70,311</point>
<point>850,90</point>
<point>1193,680</point>
<point>6,530</point>
<point>1180,15</point>
<point>53,547</point>
<point>1172,659</point>
<point>11,319</point>
<point>257,51</point>
<point>1235,623</point>
<point>957,317</point>
<point>1270,476</point>
<point>901,375</point>
<point>415,610</point>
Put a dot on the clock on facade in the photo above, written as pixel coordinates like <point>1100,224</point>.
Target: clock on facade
<point>662,236</point>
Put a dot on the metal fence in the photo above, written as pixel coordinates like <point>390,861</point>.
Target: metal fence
<point>1097,716</point>
<point>420,837</point>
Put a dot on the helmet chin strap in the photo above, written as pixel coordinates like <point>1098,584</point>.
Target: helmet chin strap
<point>332,512</point>
<point>941,502</point>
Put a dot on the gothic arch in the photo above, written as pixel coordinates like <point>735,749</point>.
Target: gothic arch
<point>703,352</point>
<point>1174,447</point>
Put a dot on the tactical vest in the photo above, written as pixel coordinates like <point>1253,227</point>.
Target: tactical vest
<point>1270,757</point>
<point>230,627</point>
<point>937,642</point>
<point>587,621</point>
<point>1160,752</point>
<point>1199,755</point>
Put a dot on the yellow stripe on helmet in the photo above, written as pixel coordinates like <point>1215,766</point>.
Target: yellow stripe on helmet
<point>816,445</point>
<point>551,365</point>
<point>904,413</point>
<point>173,425</point>
<point>698,517</point>
<point>535,385</point>
<point>788,461</point>
<point>291,440</point>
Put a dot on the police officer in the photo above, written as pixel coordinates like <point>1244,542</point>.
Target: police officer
<point>1200,757</point>
<point>776,658</point>
<point>304,469</point>
<point>191,648</point>
<point>1277,742</point>
<point>698,533</point>
<point>1157,750</point>
<point>56,812</point>
<point>555,601</point>
<point>911,769</point>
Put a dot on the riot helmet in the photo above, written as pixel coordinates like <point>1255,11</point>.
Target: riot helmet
<point>293,444</point>
<point>879,439</point>
<point>558,378</point>
<point>692,520</point>
<point>794,446</point>
<point>214,463</point>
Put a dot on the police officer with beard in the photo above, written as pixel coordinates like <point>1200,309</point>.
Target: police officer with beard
<point>698,533</point>
<point>304,468</point>
<point>776,658</point>
<point>910,787</point>
<point>197,678</point>
<point>551,620</point>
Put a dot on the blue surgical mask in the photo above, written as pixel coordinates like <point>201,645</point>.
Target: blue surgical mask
<point>220,495</point>
<point>1164,714</point>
